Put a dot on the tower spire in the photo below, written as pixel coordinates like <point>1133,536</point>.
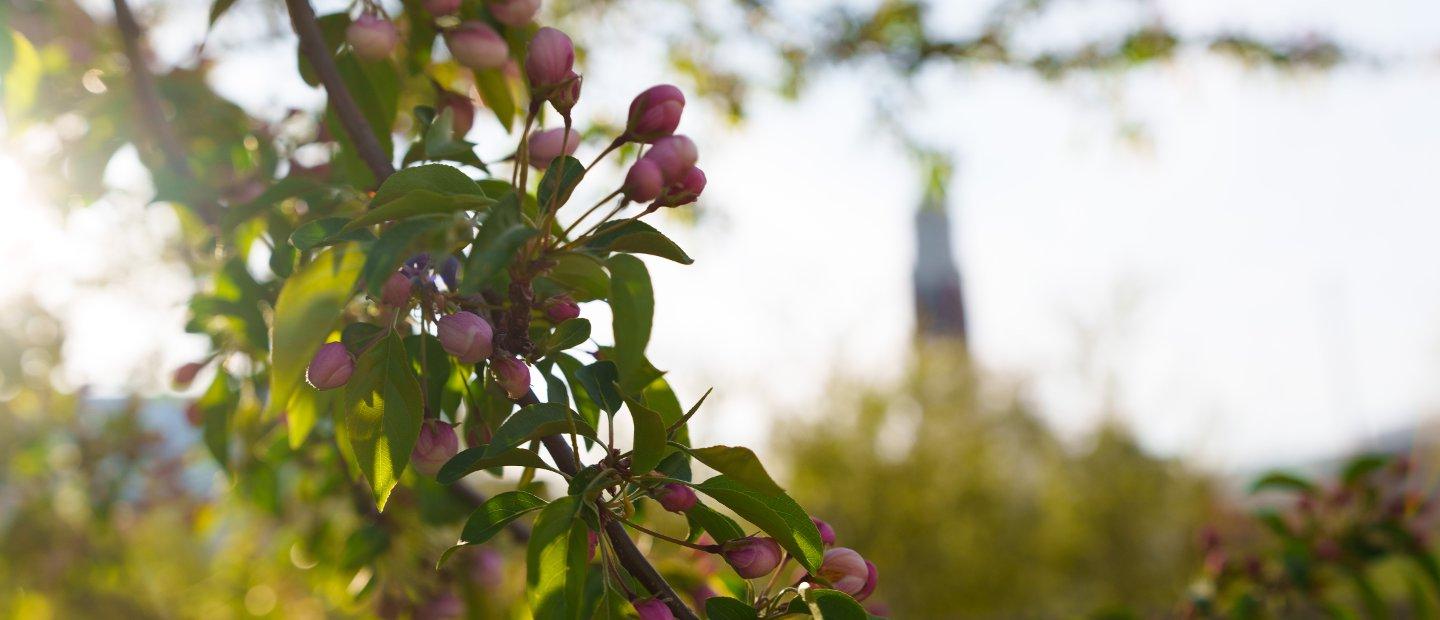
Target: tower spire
<point>939,300</point>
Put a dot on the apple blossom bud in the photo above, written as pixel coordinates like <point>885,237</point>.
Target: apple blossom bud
<point>512,374</point>
<point>751,556</point>
<point>465,335</point>
<point>435,446</point>
<point>844,569</point>
<point>684,191</point>
<point>194,415</point>
<point>644,182</point>
<point>442,7</point>
<point>185,375</point>
<point>372,37</point>
<point>396,291</point>
<point>674,497</point>
<point>462,112</point>
<point>655,113</point>
<point>477,46</point>
<point>674,155</point>
<point>561,308</point>
<point>872,579</point>
<point>545,146</point>
<point>550,59</point>
<point>827,533</point>
<point>652,609</point>
<point>331,367</point>
<point>567,94</point>
<point>514,13</point>
<point>450,273</point>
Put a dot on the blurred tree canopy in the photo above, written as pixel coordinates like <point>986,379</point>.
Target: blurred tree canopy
<point>995,517</point>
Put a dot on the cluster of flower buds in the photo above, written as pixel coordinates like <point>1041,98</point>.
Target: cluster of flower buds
<point>372,37</point>
<point>666,174</point>
<point>436,445</point>
<point>550,68</point>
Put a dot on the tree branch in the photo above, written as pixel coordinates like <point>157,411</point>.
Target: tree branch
<point>152,111</point>
<point>312,44</point>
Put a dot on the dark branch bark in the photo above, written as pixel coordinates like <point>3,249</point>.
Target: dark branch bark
<point>312,44</point>
<point>152,111</point>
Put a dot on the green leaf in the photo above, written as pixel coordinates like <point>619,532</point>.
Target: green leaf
<point>471,460</point>
<point>636,237</point>
<point>833,605</point>
<point>363,546</point>
<point>438,178</point>
<point>326,231</point>
<point>216,406</point>
<point>356,335</point>
<point>418,202</point>
<point>502,234</point>
<point>778,515</point>
<point>383,414</point>
<point>559,181</point>
<point>491,518</point>
<point>304,314</point>
<point>434,369</point>
<point>1361,466</point>
<point>598,380</point>
<point>582,275</point>
<point>533,422</point>
<point>571,367</point>
<point>1281,480</point>
<point>495,93</point>
<point>726,608</point>
<point>288,187</point>
<point>649,446</point>
<point>720,527</point>
<point>305,408</point>
<point>572,332</point>
<point>556,560</point>
<point>632,304</point>
<point>393,247</point>
<point>740,464</point>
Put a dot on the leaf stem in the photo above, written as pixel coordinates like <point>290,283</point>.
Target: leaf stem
<point>671,539</point>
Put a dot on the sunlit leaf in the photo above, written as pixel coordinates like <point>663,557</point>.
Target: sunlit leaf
<point>471,460</point>
<point>305,312</point>
<point>778,515</point>
<point>383,414</point>
<point>556,560</point>
<point>740,464</point>
<point>533,422</point>
<point>632,303</point>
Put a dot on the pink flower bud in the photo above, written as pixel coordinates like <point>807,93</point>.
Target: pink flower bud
<point>684,191</point>
<point>372,37</point>
<point>655,113</point>
<point>561,308</point>
<point>827,533</point>
<point>644,182</point>
<point>331,367</point>
<point>442,7</point>
<point>674,155</point>
<point>701,593</point>
<point>752,556</point>
<point>674,497</point>
<point>185,375</point>
<point>462,112</point>
<point>550,59</point>
<point>567,94</point>
<point>545,146</point>
<point>652,609</point>
<point>872,579</point>
<point>514,13</point>
<point>396,291</point>
<point>435,446</point>
<point>477,46</point>
<point>512,374</point>
<point>465,335</point>
<point>845,570</point>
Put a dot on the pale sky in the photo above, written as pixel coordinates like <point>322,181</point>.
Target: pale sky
<point>1260,277</point>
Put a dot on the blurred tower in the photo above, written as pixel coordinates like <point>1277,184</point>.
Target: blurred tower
<point>939,302</point>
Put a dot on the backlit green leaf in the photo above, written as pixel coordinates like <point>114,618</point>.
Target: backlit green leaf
<point>778,515</point>
<point>383,414</point>
<point>740,464</point>
<point>471,460</point>
<point>534,422</point>
<point>305,312</point>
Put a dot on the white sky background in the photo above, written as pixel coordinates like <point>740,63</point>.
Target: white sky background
<point>1262,280</point>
